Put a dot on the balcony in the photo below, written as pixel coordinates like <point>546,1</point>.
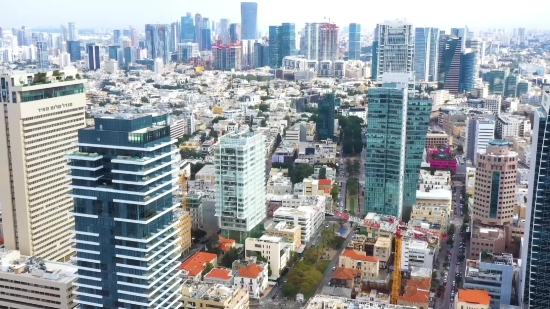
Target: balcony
<point>77,155</point>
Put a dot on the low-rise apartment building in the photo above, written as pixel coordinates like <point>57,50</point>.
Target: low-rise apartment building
<point>309,219</point>
<point>418,253</point>
<point>369,265</point>
<point>472,299</point>
<point>192,267</point>
<point>493,273</point>
<point>251,276</point>
<point>287,230</point>
<point>212,295</point>
<point>272,248</point>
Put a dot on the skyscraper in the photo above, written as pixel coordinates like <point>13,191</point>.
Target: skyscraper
<point>26,36</point>
<point>42,61</point>
<point>461,33</point>
<point>535,256</point>
<point>73,48</point>
<point>395,47</point>
<point>94,59</point>
<point>261,55</point>
<point>324,126</point>
<point>274,37</point>
<point>198,28</point>
<point>511,85</point>
<point>223,31</point>
<point>479,132</point>
<point>116,37</point>
<point>235,32</point>
<point>328,42</point>
<point>73,32</point>
<point>187,28</point>
<point>450,49</point>
<point>467,71</point>
<point>187,51</point>
<point>130,55</point>
<point>125,216</point>
<point>134,37</point>
<point>397,125</point>
<point>497,81</point>
<point>33,176</point>
<point>175,35</point>
<point>311,41</point>
<point>157,42</point>
<point>282,43</point>
<point>354,50</point>
<point>240,184</point>
<point>249,20</point>
<point>426,47</point>
<point>206,39</point>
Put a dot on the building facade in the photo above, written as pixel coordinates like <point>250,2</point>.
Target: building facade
<point>42,61</point>
<point>227,57</point>
<point>38,126</point>
<point>249,20</point>
<point>94,58</point>
<point>493,273</point>
<point>426,50</point>
<point>325,120</point>
<point>449,63</point>
<point>354,47</point>
<point>158,41</point>
<point>395,48</point>
<point>122,184</point>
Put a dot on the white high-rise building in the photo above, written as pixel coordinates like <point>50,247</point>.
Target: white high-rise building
<point>311,41</point>
<point>328,42</point>
<point>240,183</point>
<point>38,127</point>
<point>187,51</point>
<point>493,103</point>
<point>479,132</point>
<point>426,51</point>
<point>159,66</point>
<point>395,48</point>
<point>73,32</point>
<point>247,53</point>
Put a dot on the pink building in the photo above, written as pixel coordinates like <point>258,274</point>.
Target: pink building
<point>441,158</point>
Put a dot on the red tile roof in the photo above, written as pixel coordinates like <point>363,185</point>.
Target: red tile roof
<point>345,273</point>
<point>325,181</point>
<point>218,273</point>
<point>417,291</point>
<point>225,243</point>
<point>480,297</point>
<point>356,255</point>
<point>251,271</point>
<point>196,263</point>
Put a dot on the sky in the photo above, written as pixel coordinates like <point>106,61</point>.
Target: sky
<point>118,14</point>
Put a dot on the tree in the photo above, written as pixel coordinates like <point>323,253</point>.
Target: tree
<point>263,107</point>
<point>299,172</point>
<point>313,118</point>
<point>459,149</point>
<point>323,173</point>
<point>327,237</point>
<point>352,186</point>
<point>302,278</point>
<point>144,100</point>
<point>207,269</point>
<point>197,234</point>
<point>338,242</point>
<point>190,153</point>
<point>214,134</point>
<point>217,119</point>
<point>334,192</point>
<point>229,257</point>
<point>289,289</point>
<point>263,123</point>
<point>312,255</point>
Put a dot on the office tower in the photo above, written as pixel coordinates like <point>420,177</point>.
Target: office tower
<point>206,23</point>
<point>521,36</point>
<point>496,79</point>
<point>134,37</point>
<point>187,28</point>
<point>175,34</point>
<point>478,46</point>
<point>64,60</point>
<point>227,57</point>
<point>450,49</point>
<point>188,51</point>
<point>354,52</point>
<point>535,288</point>
<point>33,176</point>
<point>374,67</point>
<point>311,41</point>
<point>130,55</point>
<point>493,208</point>
<point>198,29</point>
<point>26,35</point>
<point>395,48</point>
<point>328,42</point>
<point>73,48</point>
<point>467,71</point>
<point>240,184</point>
<point>249,20</point>
<point>426,50</point>
<point>247,49</point>
<point>206,40</point>
<point>234,33</point>
<point>73,32</point>
<point>461,33</point>
<point>282,43</point>
<point>122,182</point>
<point>223,31</point>
<point>116,37</point>
<point>523,87</point>
<point>324,127</point>
<point>479,132</point>
<point>511,85</point>
<point>113,52</point>
<point>94,59</point>
<point>274,37</point>
<point>157,42</point>
<point>1,33</point>
<point>261,55</point>
<point>42,61</point>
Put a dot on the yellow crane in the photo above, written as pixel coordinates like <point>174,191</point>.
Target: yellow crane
<point>183,182</point>
<point>396,285</point>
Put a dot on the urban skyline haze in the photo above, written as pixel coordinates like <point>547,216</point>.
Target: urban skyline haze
<point>478,15</point>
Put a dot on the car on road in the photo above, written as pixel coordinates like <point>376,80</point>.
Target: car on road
<point>333,268</point>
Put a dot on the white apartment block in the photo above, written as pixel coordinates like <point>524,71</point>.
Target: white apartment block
<point>253,277</point>
<point>38,126</point>
<point>493,103</point>
<point>240,183</point>
<point>439,98</point>
<point>395,47</point>
<point>512,125</point>
<point>30,282</point>
<point>417,253</point>
<point>309,218</point>
<point>478,134</point>
<point>187,51</point>
<point>439,180</point>
<point>273,248</point>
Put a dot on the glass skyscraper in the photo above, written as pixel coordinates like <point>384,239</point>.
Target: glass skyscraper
<point>450,48</point>
<point>511,85</point>
<point>235,32</point>
<point>73,48</point>
<point>535,255</point>
<point>395,48</point>
<point>354,52</point>
<point>94,59</point>
<point>496,81</point>
<point>282,43</point>
<point>249,20</point>
<point>126,235</point>
<point>187,28</point>
<point>42,61</point>
<point>467,71</point>
<point>426,50</point>
<point>324,126</point>
<point>157,42</point>
<point>274,36</point>
<point>206,39</point>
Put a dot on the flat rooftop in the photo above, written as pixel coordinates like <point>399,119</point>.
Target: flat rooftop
<point>14,263</point>
<point>333,302</point>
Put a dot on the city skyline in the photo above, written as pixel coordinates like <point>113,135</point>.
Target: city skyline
<point>269,13</point>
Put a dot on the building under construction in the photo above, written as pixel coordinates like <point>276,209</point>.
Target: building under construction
<point>227,57</point>
<point>328,42</point>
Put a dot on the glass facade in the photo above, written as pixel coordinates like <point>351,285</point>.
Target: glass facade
<point>206,39</point>
<point>113,52</point>
<point>94,59</point>
<point>374,69</point>
<point>422,53</point>
<point>467,72</point>
<point>274,36</point>
<point>126,240</point>
<point>130,55</point>
<point>496,81</point>
<point>73,48</point>
<point>48,93</point>
<point>157,42</point>
<point>536,241</point>
<point>354,52</point>
<point>187,29</point>
<point>449,65</point>
<point>249,20</point>
<point>42,61</point>
<point>511,86</point>
<point>324,126</point>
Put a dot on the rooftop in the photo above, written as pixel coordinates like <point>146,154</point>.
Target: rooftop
<point>345,273</point>
<point>250,271</point>
<point>196,263</point>
<point>355,255</point>
<point>219,273</point>
<point>332,302</point>
<point>480,297</point>
<point>11,261</point>
<point>417,291</point>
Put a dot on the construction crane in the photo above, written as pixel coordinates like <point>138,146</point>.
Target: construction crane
<point>183,182</point>
<point>396,285</point>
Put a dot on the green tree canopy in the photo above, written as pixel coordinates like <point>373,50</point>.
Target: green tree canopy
<point>323,173</point>
<point>300,172</point>
<point>229,257</point>
<point>334,192</point>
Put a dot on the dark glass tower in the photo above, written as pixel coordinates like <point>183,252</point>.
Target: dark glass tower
<point>374,68</point>
<point>94,60</point>
<point>157,42</point>
<point>354,52</point>
<point>535,254</point>
<point>130,55</point>
<point>274,36</point>
<point>325,122</point>
<point>187,28</point>
<point>249,20</point>
<point>511,86</point>
<point>497,79</point>
<point>450,48</point>
<point>113,52</point>
<point>282,43</point>
<point>206,39</point>
<point>234,32</point>
<point>467,71</point>
<point>73,48</point>
<point>126,240</point>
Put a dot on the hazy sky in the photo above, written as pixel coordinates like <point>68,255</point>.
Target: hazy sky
<point>476,14</point>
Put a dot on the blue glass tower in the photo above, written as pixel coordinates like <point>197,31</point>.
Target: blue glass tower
<point>206,39</point>
<point>282,43</point>
<point>450,49</point>
<point>426,50</point>
<point>511,86</point>
<point>126,240</point>
<point>113,52</point>
<point>42,61</point>
<point>94,60</point>
<point>497,79</point>
<point>249,20</point>
<point>187,28</point>
<point>535,254</point>
<point>354,52</point>
<point>324,126</point>
<point>374,68</point>
<point>130,55</point>
<point>157,42</point>
<point>234,32</point>
<point>467,71</point>
<point>73,48</point>
<point>274,36</point>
